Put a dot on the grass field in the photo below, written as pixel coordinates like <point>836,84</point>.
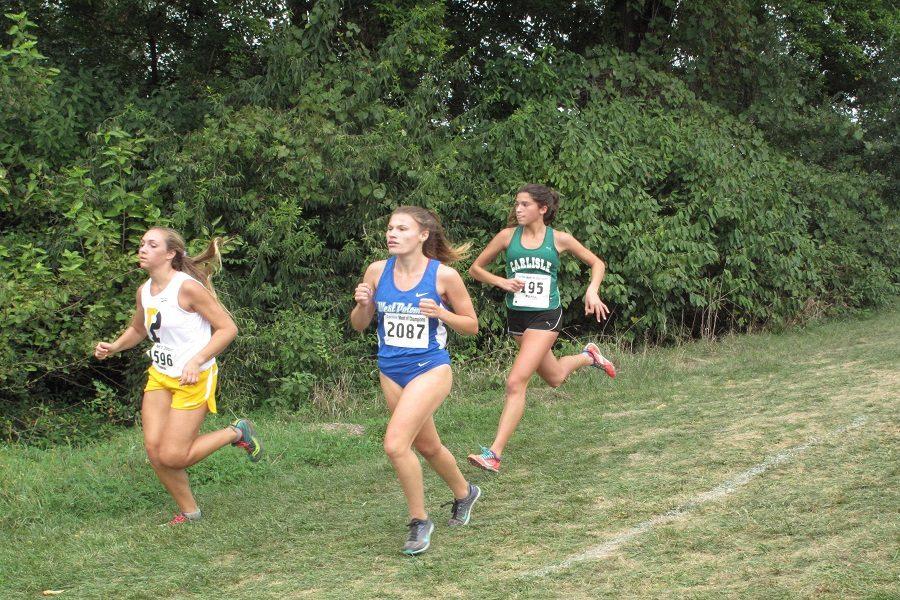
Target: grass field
<point>624,488</point>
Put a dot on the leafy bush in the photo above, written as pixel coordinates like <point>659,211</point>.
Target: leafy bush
<point>705,227</point>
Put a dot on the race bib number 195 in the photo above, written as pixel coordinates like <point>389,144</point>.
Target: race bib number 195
<point>406,330</point>
<point>536,293</point>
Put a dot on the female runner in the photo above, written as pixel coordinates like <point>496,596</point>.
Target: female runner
<point>534,314</point>
<point>178,310</point>
<point>412,294</point>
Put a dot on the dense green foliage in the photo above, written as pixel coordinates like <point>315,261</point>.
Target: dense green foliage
<point>723,195</point>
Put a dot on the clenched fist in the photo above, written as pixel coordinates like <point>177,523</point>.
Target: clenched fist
<point>512,285</point>
<point>103,350</point>
<point>363,294</point>
<point>430,308</point>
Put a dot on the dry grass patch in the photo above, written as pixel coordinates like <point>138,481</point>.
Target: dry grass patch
<point>348,428</point>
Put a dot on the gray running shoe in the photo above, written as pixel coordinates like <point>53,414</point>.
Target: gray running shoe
<point>249,440</point>
<point>419,536</point>
<point>462,509</point>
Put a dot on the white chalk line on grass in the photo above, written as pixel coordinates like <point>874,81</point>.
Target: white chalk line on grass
<point>741,479</point>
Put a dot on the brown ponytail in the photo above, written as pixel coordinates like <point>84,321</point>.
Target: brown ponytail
<point>437,245</point>
<point>544,196</point>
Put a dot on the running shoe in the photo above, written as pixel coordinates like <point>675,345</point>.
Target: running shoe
<point>487,460</point>
<point>181,519</point>
<point>249,441</point>
<point>462,509</point>
<point>419,536</point>
<point>599,361</point>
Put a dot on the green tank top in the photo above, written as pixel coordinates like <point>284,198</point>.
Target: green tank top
<point>537,268</point>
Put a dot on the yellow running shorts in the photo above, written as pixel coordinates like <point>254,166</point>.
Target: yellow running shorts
<point>186,397</point>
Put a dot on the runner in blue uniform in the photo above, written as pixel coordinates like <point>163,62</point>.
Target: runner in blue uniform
<point>412,294</point>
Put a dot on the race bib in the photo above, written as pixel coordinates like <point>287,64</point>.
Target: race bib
<point>536,293</point>
<point>162,356</point>
<point>406,330</point>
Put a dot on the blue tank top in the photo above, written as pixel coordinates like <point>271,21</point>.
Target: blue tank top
<point>403,331</point>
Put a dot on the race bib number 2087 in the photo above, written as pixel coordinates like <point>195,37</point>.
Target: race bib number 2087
<point>406,330</point>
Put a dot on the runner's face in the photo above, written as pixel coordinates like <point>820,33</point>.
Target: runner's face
<point>404,234</point>
<point>153,252</point>
<point>527,210</point>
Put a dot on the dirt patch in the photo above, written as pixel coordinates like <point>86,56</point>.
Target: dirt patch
<point>737,436</point>
<point>228,559</point>
<point>602,504</point>
<point>798,417</point>
<point>310,593</point>
<point>636,458</point>
<point>886,383</point>
<point>815,370</point>
<point>348,428</point>
<point>646,434</point>
<point>872,384</point>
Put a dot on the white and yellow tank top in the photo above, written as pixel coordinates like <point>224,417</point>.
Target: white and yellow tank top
<point>177,335</point>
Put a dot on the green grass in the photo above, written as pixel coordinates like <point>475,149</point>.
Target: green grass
<point>322,516</point>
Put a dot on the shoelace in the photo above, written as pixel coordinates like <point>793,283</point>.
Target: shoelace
<point>455,510</point>
<point>488,453</point>
<point>178,519</point>
<point>414,526</point>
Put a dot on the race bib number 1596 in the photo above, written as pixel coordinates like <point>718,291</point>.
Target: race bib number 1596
<point>162,356</point>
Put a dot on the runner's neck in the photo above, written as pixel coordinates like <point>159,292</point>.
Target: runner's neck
<point>536,230</point>
<point>161,276</point>
<point>411,264</point>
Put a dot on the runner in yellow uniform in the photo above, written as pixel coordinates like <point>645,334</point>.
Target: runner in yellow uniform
<point>178,310</point>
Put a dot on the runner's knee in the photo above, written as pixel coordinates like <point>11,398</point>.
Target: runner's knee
<point>429,449</point>
<point>516,385</point>
<point>395,446</point>
<point>173,458</point>
<point>153,454</point>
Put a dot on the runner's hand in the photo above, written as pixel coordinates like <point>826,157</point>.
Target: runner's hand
<point>593,305</point>
<point>430,308</point>
<point>512,285</point>
<point>103,350</point>
<point>190,374</point>
<point>363,294</point>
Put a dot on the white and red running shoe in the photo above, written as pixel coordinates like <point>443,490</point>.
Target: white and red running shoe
<point>487,460</point>
<point>599,361</point>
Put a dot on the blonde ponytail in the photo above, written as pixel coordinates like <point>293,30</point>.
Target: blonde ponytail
<point>201,267</point>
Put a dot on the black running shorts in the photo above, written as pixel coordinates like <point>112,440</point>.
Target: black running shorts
<point>517,321</point>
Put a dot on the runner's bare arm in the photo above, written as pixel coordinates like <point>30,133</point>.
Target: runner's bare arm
<point>196,298</point>
<point>130,338</point>
<point>364,311</point>
<point>451,287</point>
<point>565,242</point>
<point>479,271</point>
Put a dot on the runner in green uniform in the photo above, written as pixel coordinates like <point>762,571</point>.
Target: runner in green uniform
<point>534,314</point>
